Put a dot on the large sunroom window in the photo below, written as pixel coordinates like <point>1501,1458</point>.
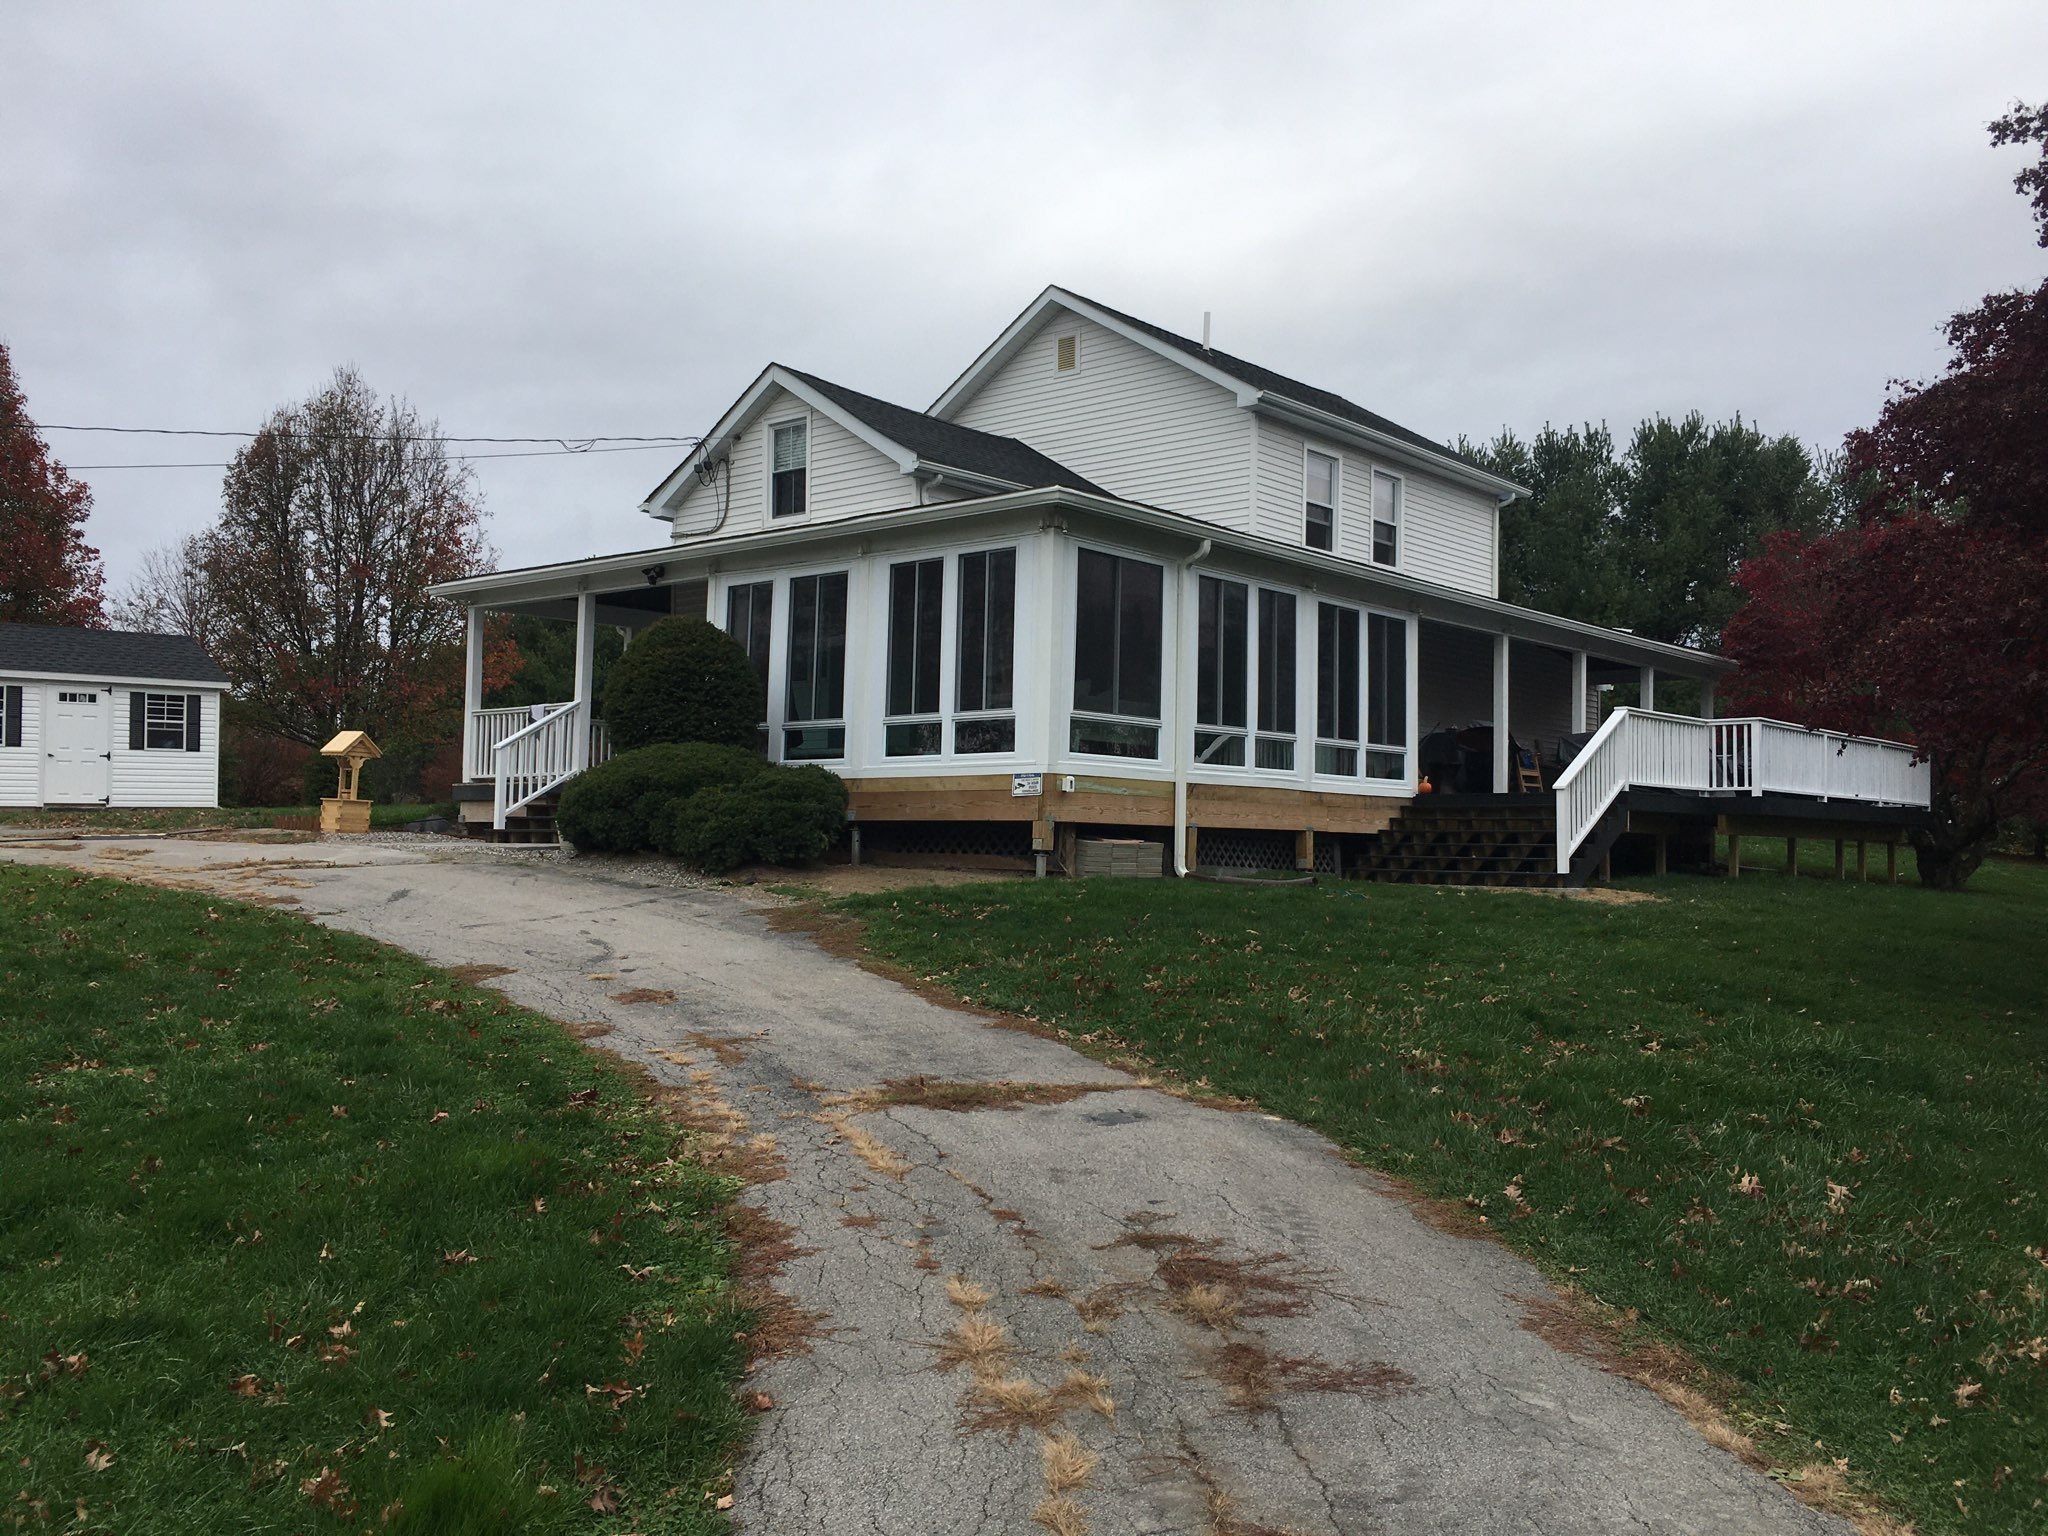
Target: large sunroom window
<point>1119,606</point>
<point>814,705</point>
<point>1222,622</point>
<point>1361,693</point>
<point>749,619</point>
<point>1337,671</point>
<point>917,594</point>
<point>1275,745</point>
<point>987,668</point>
<point>1386,697</point>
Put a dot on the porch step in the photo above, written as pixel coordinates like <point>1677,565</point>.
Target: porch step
<point>533,824</point>
<point>1481,845</point>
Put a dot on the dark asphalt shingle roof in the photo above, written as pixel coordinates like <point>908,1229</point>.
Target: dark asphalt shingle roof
<point>947,445</point>
<point>1280,384</point>
<point>105,653</point>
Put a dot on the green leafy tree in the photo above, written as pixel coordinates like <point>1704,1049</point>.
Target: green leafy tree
<point>544,663</point>
<point>48,573</point>
<point>683,680</point>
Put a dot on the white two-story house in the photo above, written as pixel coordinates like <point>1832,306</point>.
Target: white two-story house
<point>1115,581</point>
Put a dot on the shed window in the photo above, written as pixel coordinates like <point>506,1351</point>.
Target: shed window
<point>10,715</point>
<point>163,722</point>
<point>791,477</point>
<point>1321,501</point>
<point>1119,606</point>
<point>1386,519</point>
<point>815,708</point>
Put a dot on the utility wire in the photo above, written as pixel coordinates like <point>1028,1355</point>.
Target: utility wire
<point>543,453</point>
<point>565,444</point>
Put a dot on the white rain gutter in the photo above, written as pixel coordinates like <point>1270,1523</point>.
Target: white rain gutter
<point>1182,737</point>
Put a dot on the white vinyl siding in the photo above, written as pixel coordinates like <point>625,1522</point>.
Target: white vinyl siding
<point>21,767</point>
<point>163,776</point>
<point>1446,531</point>
<point>847,477</point>
<point>1139,426</point>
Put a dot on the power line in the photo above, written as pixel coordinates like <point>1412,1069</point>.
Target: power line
<point>571,444</point>
<point>544,453</point>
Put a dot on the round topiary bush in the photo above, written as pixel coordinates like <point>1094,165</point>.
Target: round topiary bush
<point>683,680</point>
<point>629,804</point>
<point>779,816</point>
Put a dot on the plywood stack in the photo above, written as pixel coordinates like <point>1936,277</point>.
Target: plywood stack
<point>1131,857</point>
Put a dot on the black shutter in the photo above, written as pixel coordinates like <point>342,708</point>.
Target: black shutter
<point>191,722</point>
<point>10,730</point>
<point>135,709</point>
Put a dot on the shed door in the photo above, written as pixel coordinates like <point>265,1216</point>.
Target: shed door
<point>77,767</point>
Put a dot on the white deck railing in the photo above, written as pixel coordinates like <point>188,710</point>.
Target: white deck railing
<point>1747,756</point>
<point>541,755</point>
<point>488,727</point>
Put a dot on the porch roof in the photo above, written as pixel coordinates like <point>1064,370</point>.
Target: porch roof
<point>691,559</point>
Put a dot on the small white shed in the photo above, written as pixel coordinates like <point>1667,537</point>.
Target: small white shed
<point>92,717</point>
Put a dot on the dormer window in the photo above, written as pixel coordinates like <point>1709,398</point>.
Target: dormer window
<point>789,482</point>
<point>1321,501</point>
<point>1386,519</point>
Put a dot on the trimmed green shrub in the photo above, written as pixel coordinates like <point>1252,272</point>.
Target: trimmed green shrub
<point>683,680</point>
<point>779,816</point>
<point>629,803</point>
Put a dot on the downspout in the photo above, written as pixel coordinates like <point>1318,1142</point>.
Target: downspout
<point>1182,737</point>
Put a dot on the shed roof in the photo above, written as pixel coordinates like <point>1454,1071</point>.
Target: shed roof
<point>106,653</point>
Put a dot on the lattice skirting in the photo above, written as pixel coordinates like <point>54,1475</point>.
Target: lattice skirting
<point>951,839</point>
<point>1233,849</point>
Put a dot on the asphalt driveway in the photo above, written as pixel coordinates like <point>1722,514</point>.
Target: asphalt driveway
<point>1246,1333</point>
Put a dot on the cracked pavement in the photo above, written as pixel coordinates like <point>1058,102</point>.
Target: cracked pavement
<point>1477,1425</point>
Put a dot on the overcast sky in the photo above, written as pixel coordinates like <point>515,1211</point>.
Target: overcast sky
<point>575,220</point>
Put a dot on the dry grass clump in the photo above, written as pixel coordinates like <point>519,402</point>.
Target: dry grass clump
<point>644,995</point>
<point>1210,1305</point>
<point>590,1029</point>
<point>1085,1389</point>
<point>1101,1306</point>
<point>965,1294</point>
<point>938,1093</point>
<point>1061,1516</point>
<point>1068,1463</point>
<point>1253,1377</point>
<point>477,973</point>
<point>1051,1286</point>
<point>1008,1403</point>
<point>878,1155</point>
<point>981,1344</point>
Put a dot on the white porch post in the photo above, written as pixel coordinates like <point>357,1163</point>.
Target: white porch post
<point>586,668</point>
<point>1500,714</point>
<point>1647,692</point>
<point>1578,693</point>
<point>472,687</point>
<point>1707,699</point>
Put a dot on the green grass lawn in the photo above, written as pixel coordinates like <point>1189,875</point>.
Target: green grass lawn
<point>124,819</point>
<point>1799,1125</point>
<point>300,1233</point>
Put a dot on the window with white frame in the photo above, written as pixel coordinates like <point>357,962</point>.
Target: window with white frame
<point>163,722</point>
<point>1274,747</point>
<point>987,662</point>
<point>1222,652</point>
<point>749,619</point>
<point>1386,697</point>
<point>789,478</point>
<point>814,700</point>
<point>917,594</point>
<point>1320,501</point>
<point>1118,610</point>
<point>1386,518</point>
<point>1337,674</point>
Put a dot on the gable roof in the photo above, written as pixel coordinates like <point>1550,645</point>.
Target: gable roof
<point>1253,385</point>
<point>109,653</point>
<point>916,441</point>
<point>941,444</point>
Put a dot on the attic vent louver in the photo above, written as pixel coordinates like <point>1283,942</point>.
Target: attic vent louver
<point>1069,354</point>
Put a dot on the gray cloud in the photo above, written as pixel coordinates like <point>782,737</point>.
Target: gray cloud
<point>550,219</point>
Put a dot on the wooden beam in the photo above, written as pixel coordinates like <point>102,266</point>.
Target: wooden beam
<point>1194,835</point>
<point>1305,848</point>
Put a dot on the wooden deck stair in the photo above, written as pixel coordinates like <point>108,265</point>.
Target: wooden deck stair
<point>534,825</point>
<point>1497,841</point>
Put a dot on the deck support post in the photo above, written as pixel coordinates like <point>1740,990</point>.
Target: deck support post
<point>1891,863</point>
<point>1038,865</point>
<point>1838,859</point>
<point>1194,838</point>
<point>1607,867</point>
<point>1305,849</point>
<point>1663,852</point>
<point>853,842</point>
<point>1646,691</point>
<point>1707,699</point>
<point>1500,714</point>
<point>1579,726</point>
<point>472,686</point>
<point>1791,858</point>
<point>1734,854</point>
<point>586,670</point>
<point>1862,860</point>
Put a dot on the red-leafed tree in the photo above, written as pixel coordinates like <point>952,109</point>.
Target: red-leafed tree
<point>48,573</point>
<point>1929,619</point>
<point>334,522</point>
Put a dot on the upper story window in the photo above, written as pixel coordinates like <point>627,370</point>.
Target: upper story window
<point>1118,610</point>
<point>790,479</point>
<point>1321,501</point>
<point>1386,519</point>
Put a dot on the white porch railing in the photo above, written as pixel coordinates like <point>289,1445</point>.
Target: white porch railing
<point>1743,756</point>
<point>542,755</point>
<point>488,727</point>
